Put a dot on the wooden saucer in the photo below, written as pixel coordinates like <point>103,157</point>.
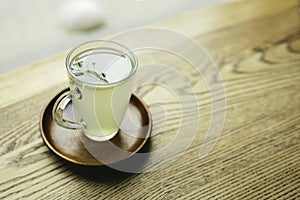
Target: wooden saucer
<point>74,146</point>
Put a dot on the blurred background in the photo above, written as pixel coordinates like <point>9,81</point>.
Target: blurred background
<point>34,29</point>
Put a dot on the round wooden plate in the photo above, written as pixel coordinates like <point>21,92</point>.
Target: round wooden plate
<point>74,146</point>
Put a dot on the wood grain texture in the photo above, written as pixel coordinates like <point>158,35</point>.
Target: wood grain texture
<point>256,45</point>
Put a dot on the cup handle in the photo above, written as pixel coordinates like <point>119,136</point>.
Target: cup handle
<point>58,109</point>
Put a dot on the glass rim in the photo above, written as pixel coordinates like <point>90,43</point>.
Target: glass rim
<point>132,57</point>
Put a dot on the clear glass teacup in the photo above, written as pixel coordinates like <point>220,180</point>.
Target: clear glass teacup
<point>101,76</point>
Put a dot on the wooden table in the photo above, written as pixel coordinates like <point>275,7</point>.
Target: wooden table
<point>256,46</point>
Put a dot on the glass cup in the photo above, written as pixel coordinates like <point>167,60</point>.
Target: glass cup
<point>100,79</point>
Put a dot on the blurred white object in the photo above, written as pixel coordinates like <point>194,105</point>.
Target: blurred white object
<point>80,14</point>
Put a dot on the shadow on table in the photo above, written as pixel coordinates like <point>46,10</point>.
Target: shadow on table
<point>111,174</point>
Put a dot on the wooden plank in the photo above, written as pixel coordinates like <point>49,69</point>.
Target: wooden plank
<point>256,46</point>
